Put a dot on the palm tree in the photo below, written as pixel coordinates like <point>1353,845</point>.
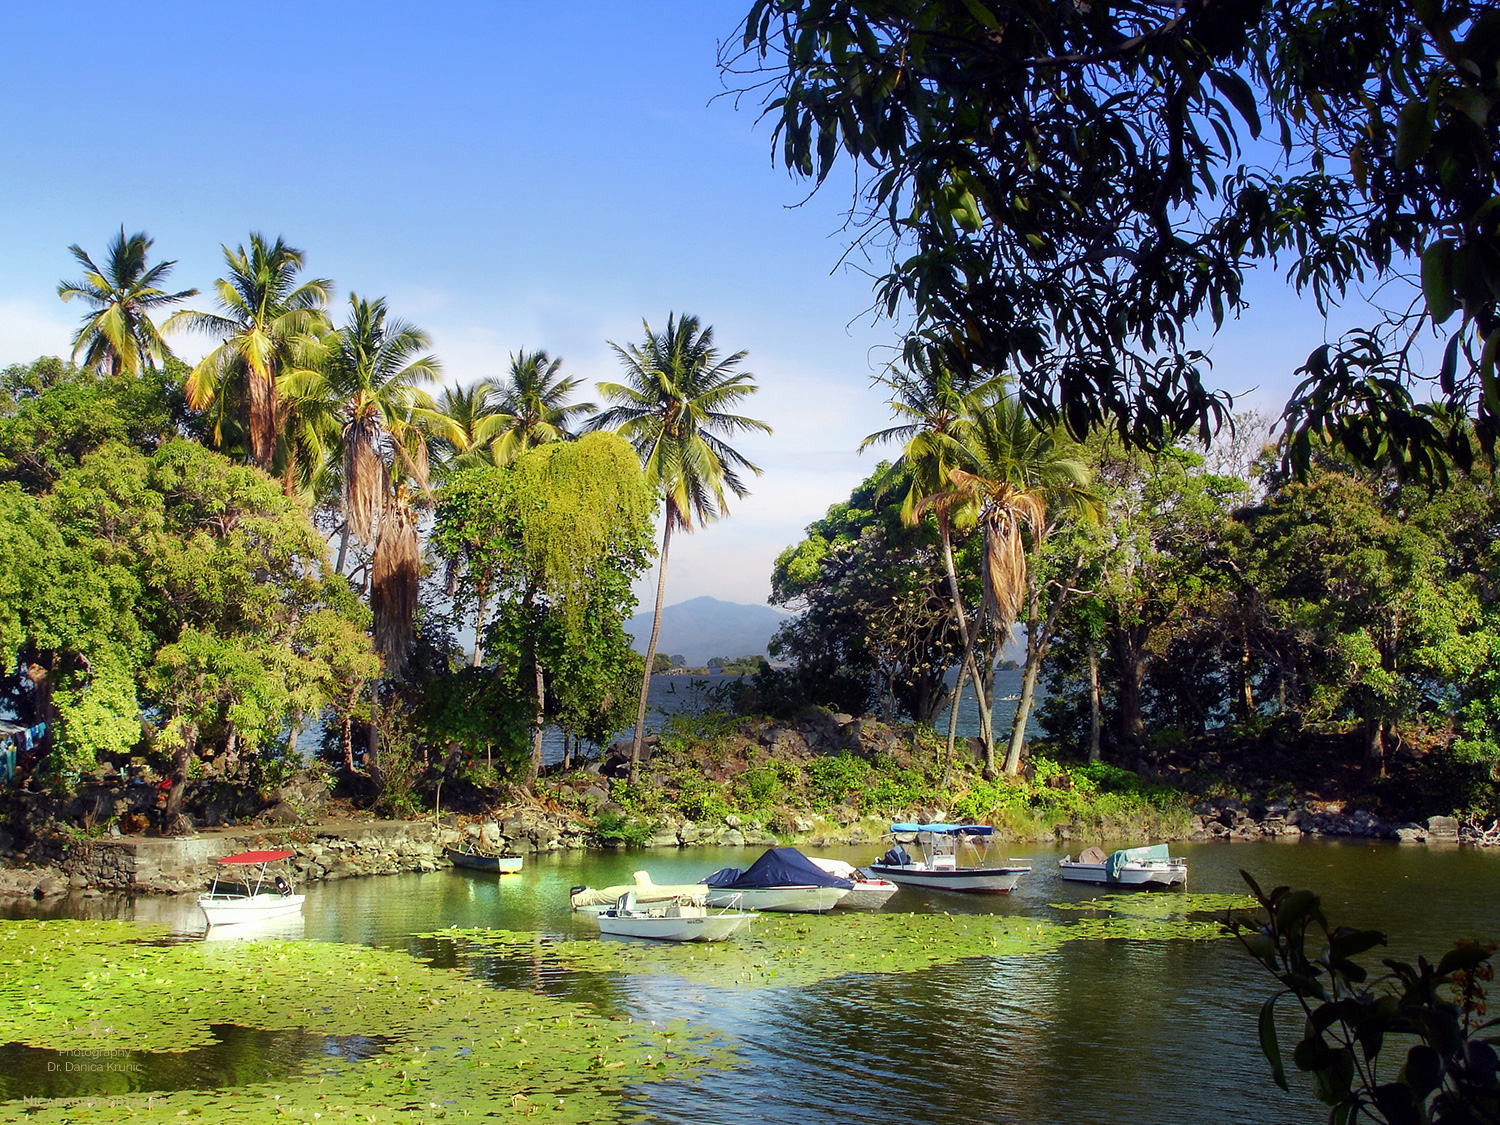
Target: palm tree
<point>267,321</point>
<point>1015,472</point>
<point>117,334</point>
<point>469,424</point>
<point>360,388</point>
<point>672,409</point>
<point>530,406</point>
<point>359,396</point>
<point>933,404</point>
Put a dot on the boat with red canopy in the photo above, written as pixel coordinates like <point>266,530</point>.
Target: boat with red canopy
<point>253,892</point>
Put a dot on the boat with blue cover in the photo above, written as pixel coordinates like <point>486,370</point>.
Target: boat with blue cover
<point>782,879</point>
<point>1150,866</point>
<point>955,857</point>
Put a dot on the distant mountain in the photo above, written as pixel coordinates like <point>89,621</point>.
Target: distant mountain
<point>704,628</point>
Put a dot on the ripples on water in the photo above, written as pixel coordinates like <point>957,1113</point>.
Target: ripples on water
<point>1120,1031</point>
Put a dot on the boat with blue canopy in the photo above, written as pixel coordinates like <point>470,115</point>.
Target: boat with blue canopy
<point>1151,865</point>
<point>781,879</point>
<point>955,857</point>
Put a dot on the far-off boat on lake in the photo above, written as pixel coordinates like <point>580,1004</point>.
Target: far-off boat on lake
<point>955,857</point>
<point>1144,867</point>
<point>477,860</point>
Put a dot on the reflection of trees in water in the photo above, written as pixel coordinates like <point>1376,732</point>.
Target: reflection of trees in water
<point>238,1056</point>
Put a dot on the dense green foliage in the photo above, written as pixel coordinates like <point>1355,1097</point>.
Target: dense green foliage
<point>876,626</point>
<point>1450,1072</point>
<point>168,584</point>
<point>1067,190</point>
<point>543,552</point>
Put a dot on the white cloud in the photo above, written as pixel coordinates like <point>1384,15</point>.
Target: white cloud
<point>29,330</point>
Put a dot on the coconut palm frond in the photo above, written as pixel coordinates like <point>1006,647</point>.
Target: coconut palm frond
<point>118,335</point>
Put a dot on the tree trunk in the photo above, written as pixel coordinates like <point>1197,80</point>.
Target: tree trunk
<point>343,548</point>
<point>541,722</point>
<point>180,761</point>
<point>372,755</point>
<point>1129,667</point>
<point>958,697</point>
<point>348,742</point>
<point>478,631</point>
<point>661,590</point>
<point>986,732</point>
<point>1095,718</point>
<point>1247,693</point>
<point>1375,743</point>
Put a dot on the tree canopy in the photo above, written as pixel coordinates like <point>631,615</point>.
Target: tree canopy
<point>1068,189</point>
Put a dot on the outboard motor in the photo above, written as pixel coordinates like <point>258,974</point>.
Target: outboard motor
<point>283,886</point>
<point>896,857</point>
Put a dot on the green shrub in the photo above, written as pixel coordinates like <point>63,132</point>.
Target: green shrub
<point>835,780</point>
<point>616,828</point>
<point>758,788</point>
<point>701,800</point>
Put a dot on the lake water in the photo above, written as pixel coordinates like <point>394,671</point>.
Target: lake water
<point>1134,1030</point>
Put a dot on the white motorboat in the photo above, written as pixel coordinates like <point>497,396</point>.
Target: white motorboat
<point>684,918</point>
<point>1150,866</point>
<point>782,879</point>
<point>955,857</point>
<point>255,897</point>
<point>868,894</point>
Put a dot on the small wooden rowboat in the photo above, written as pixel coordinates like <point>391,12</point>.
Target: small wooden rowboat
<point>484,861</point>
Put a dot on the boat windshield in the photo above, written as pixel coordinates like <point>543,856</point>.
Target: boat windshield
<point>950,845</point>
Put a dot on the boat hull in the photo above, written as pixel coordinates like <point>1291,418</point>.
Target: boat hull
<point>786,900</point>
<point>1131,875</point>
<point>713,927</point>
<point>967,880</point>
<point>495,864</point>
<point>230,910</point>
<point>869,894</point>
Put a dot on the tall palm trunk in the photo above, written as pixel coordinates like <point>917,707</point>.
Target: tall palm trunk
<point>541,722</point>
<point>262,412</point>
<point>661,591</point>
<point>958,698</point>
<point>1095,707</point>
<point>986,732</point>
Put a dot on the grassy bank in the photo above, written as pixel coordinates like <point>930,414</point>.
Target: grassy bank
<point>707,768</point>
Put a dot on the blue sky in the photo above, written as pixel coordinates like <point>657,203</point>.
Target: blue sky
<point>508,175</point>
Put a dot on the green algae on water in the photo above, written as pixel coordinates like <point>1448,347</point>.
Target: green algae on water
<point>792,950</point>
<point>455,1047</point>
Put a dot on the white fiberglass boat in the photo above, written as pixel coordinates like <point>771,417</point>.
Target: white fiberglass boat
<point>256,897</point>
<point>782,879</point>
<point>955,857</point>
<point>868,894</point>
<point>1151,866</point>
<point>685,918</point>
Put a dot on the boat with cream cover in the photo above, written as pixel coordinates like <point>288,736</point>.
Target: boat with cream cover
<point>593,899</point>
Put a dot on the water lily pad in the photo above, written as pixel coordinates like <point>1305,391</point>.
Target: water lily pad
<point>784,950</point>
<point>453,1042</point>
